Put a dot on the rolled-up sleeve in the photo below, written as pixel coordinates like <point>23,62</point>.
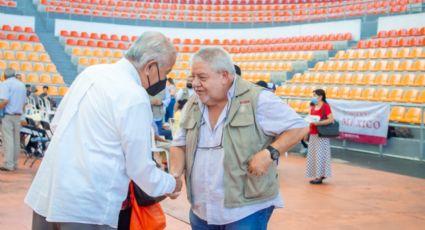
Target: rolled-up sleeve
<point>274,116</point>
<point>136,142</point>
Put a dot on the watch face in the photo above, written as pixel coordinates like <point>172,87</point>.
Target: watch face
<point>275,155</point>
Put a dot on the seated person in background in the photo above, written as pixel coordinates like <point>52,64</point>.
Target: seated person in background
<point>45,95</point>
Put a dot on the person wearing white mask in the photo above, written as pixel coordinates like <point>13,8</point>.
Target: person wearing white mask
<point>102,140</point>
<point>319,148</point>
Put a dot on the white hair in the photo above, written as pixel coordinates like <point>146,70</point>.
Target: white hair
<point>217,58</point>
<point>151,46</point>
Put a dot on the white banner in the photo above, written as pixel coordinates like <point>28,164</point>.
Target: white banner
<point>362,121</point>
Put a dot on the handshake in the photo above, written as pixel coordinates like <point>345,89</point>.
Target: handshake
<point>177,190</point>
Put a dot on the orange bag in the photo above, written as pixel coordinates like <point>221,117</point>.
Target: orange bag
<point>145,217</point>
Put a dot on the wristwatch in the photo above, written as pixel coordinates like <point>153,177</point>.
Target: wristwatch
<point>274,153</point>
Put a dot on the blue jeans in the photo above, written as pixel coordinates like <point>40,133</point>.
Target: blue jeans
<point>162,132</point>
<point>169,111</point>
<point>256,221</point>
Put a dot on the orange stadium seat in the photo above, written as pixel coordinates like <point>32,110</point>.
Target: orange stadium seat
<point>421,97</point>
<point>410,95</point>
<point>53,91</point>
<point>45,79</point>
<point>420,80</point>
<point>395,95</point>
<point>381,95</point>
<point>397,113</point>
<point>32,78</point>
<point>413,115</point>
<point>57,79</point>
<point>368,94</point>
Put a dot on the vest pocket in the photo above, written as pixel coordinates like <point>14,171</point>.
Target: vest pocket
<point>257,186</point>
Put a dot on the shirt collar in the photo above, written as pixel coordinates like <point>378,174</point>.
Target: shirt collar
<point>127,66</point>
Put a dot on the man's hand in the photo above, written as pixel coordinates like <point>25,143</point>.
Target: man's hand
<point>260,163</point>
<point>177,190</point>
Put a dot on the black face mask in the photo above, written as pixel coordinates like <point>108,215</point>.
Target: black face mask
<point>189,85</point>
<point>157,87</point>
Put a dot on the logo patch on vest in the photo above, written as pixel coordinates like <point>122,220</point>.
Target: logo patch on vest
<point>245,102</point>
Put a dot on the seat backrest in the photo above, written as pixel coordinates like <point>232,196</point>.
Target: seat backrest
<point>368,94</point>
<point>395,95</point>
<point>397,113</point>
<point>355,93</point>
<point>395,79</point>
<point>420,80</point>
<point>421,97</point>
<point>381,94</point>
<point>410,95</point>
<point>413,115</point>
<point>344,93</point>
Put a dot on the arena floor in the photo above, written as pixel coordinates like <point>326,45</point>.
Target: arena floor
<point>355,198</point>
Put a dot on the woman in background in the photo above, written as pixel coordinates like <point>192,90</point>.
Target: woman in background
<point>319,148</point>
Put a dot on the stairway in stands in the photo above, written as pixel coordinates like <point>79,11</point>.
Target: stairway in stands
<point>44,27</point>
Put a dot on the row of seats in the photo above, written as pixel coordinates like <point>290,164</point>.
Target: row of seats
<point>356,93</point>
<point>28,66</point>
<point>52,90</point>
<point>25,29</point>
<point>289,4</point>
<point>383,53</point>
<point>402,32</point>
<point>25,46</point>
<point>197,41</point>
<point>113,37</point>
<point>205,13</point>
<point>192,49</point>
<point>382,65</point>
<point>89,52</point>
<point>397,113</point>
<point>406,115</point>
<point>275,56</point>
<point>19,37</point>
<point>383,79</point>
<point>255,77</point>
<point>392,42</point>
<point>266,66</point>
<point>8,3</point>
<point>24,56</point>
<point>100,44</point>
<point>42,78</point>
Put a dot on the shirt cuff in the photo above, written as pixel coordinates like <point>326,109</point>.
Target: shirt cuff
<point>178,143</point>
<point>172,184</point>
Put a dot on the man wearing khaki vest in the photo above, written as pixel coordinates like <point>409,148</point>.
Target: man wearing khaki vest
<point>231,135</point>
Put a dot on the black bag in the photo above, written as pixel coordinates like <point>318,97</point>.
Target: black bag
<point>144,199</point>
<point>331,130</point>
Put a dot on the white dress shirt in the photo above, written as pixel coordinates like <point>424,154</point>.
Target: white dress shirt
<point>102,139</point>
<point>274,118</point>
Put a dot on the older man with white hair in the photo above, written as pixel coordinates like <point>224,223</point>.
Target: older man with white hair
<point>102,141</point>
<point>231,135</point>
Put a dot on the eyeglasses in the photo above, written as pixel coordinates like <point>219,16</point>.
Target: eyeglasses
<point>203,122</point>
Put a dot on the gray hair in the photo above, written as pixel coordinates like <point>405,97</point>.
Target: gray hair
<point>217,58</point>
<point>151,46</point>
<point>9,72</point>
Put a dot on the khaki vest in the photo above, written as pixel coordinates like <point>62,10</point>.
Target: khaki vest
<point>242,138</point>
